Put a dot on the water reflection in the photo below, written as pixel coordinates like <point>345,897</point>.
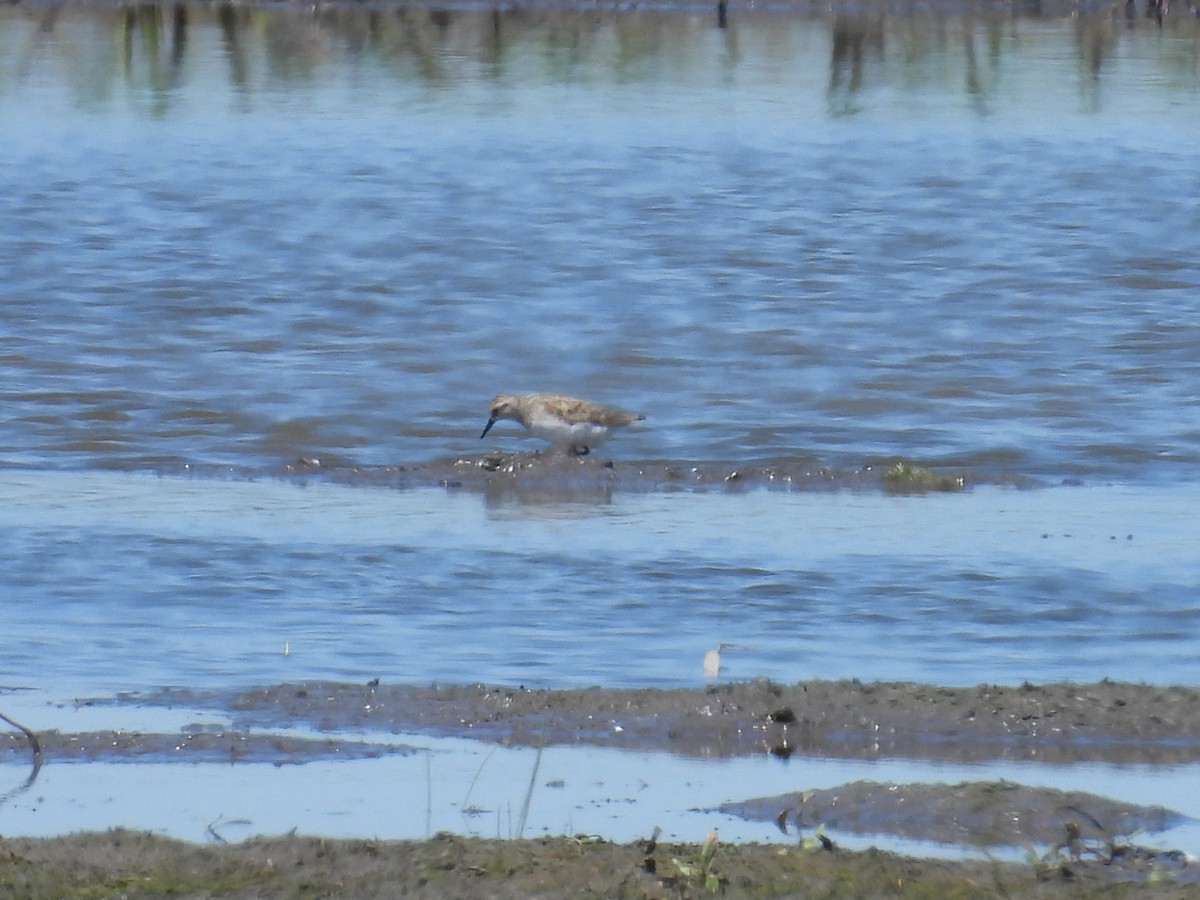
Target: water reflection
<point>855,38</point>
<point>162,45</point>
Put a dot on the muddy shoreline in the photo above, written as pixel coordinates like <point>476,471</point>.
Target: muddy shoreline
<point>139,865</point>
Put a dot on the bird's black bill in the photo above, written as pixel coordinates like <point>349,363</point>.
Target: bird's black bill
<point>487,428</point>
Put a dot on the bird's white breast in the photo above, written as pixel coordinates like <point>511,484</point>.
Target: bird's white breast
<point>556,431</point>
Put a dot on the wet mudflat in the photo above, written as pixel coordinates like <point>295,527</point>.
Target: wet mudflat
<point>1105,721</point>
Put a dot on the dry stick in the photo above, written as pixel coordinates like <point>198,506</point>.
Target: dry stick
<point>33,739</point>
<point>529,795</point>
<point>428,796</point>
<point>37,760</point>
<point>478,772</point>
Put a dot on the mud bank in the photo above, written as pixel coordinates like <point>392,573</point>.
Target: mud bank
<point>1100,722</point>
<point>980,814</point>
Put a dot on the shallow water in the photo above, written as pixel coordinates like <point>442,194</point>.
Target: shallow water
<point>480,789</point>
<point>164,580</point>
<point>467,788</point>
<point>235,238</point>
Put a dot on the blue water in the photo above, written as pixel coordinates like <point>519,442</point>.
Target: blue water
<point>339,236</point>
<point>122,582</point>
<point>237,238</point>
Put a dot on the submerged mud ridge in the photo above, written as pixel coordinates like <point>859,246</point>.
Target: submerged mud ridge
<point>1102,722</point>
<point>193,747</point>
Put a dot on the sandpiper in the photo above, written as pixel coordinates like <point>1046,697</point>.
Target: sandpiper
<point>567,422</point>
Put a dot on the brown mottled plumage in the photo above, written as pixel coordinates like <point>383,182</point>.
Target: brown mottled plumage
<point>569,422</point>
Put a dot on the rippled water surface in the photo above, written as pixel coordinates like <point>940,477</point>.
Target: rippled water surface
<point>236,237</point>
<point>154,581</point>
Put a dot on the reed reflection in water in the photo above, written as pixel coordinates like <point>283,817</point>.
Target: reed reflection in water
<point>897,57</point>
